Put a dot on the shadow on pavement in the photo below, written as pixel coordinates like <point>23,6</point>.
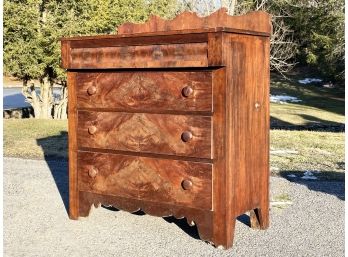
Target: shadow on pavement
<point>181,223</point>
<point>14,101</point>
<point>55,152</point>
<point>312,124</point>
<point>331,187</point>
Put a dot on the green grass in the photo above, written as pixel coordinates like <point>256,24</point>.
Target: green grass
<point>321,152</point>
<point>282,198</point>
<point>30,138</point>
<point>319,106</point>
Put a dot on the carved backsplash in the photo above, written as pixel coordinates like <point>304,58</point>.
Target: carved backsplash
<point>254,21</point>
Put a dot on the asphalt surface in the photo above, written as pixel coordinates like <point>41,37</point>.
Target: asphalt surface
<point>36,222</point>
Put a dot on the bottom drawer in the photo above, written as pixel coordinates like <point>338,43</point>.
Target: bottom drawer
<point>159,180</point>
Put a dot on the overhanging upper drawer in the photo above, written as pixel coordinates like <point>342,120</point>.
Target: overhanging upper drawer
<point>136,56</point>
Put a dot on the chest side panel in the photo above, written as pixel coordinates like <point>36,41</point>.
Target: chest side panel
<point>248,120</point>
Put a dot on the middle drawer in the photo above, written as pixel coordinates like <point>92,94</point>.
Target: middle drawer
<point>152,90</point>
<point>180,135</point>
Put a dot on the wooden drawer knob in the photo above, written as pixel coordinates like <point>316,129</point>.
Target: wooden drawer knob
<point>92,129</point>
<point>187,91</point>
<point>91,90</point>
<point>92,172</point>
<point>186,136</point>
<point>186,184</point>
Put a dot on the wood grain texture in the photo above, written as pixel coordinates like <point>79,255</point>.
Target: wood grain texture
<point>112,40</point>
<point>145,178</point>
<point>143,132</point>
<point>255,21</point>
<point>149,56</point>
<point>129,130</point>
<point>148,90</point>
<point>201,218</point>
<point>215,49</point>
<point>72,129</point>
<point>65,56</point>
<point>248,140</point>
<point>223,221</point>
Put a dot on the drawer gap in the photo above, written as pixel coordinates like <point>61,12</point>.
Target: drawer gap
<point>143,154</point>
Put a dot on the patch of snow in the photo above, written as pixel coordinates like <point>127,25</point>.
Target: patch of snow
<point>282,99</point>
<point>283,152</point>
<point>291,176</point>
<point>309,80</point>
<point>329,85</point>
<point>308,175</point>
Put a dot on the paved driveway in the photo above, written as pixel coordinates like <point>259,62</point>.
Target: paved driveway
<point>36,222</point>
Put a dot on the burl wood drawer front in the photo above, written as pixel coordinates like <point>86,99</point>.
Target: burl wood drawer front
<point>144,56</point>
<point>184,91</point>
<point>169,181</point>
<point>144,132</point>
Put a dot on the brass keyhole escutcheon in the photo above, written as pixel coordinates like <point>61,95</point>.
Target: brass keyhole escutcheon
<point>186,184</point>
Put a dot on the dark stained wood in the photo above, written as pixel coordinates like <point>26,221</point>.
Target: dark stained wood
<point>145,90</point>
<point>188,136</point>
<point>139,39</point>
<point>254,21</point>
<point>145,178</point>
<point>259,218</point>
<point>149,56</point>
<point>215,49</point>
<point>72,129</point>
<point>223,222</point>
<point>142,132</point>
<point>248,145</point>
<point>201,218</point>
<point>65,47</point>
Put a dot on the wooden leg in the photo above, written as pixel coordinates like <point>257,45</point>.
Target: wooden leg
<point>85,205</point>
<point>73,206</point>
<point>259,218</point>
<point>223,237</point>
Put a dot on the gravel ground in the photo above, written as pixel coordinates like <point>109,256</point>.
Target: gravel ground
<point>36,222</point>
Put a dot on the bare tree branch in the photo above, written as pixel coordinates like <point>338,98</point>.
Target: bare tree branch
<point>283,47</point>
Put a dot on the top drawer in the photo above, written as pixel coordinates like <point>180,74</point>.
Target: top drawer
<point>138,56</point>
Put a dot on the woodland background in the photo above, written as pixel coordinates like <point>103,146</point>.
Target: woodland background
<point>307,33</point>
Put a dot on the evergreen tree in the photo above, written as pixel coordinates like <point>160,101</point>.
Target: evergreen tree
<point>32,29</point>
<point>319,29</point>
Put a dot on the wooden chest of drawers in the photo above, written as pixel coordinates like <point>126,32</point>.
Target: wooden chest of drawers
<point>172,118</point>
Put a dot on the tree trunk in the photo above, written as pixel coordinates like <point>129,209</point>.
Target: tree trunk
<point>46,95</point>
<point>42,103</point>
<point>60,109</point>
